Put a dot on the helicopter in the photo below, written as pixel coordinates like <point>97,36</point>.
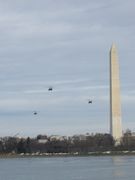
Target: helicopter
<point>35,113</point>
<point>89,101</point>
<point>50,89</point>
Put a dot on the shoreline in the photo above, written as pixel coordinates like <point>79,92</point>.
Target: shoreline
<point>49,155</point>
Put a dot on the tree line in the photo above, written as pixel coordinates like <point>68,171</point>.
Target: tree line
<point>92,143</point>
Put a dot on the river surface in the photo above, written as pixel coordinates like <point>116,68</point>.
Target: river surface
<point>68,168</point>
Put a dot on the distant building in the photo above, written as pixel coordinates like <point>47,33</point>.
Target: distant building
<point>57,138</point>
<point>42,141</point>
<point>79,137</point>
<point>133,134</point>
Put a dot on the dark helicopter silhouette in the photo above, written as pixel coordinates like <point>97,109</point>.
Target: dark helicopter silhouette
<point>50,89</point>
<point>89,101</point>
<point>35,113</point>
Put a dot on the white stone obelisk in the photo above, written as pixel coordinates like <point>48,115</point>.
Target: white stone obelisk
<point>115,102</point>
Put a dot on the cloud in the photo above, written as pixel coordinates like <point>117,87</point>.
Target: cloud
<point>64,44</point>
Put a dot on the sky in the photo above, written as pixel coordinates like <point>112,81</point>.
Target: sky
<point>64,44</point>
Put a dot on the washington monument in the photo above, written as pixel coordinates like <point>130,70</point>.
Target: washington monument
<point>115,103</point>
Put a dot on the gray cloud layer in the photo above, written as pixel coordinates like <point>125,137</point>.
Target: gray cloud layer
<point>64,44</point>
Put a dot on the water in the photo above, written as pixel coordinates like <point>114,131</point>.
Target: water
<point>68,168</point>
